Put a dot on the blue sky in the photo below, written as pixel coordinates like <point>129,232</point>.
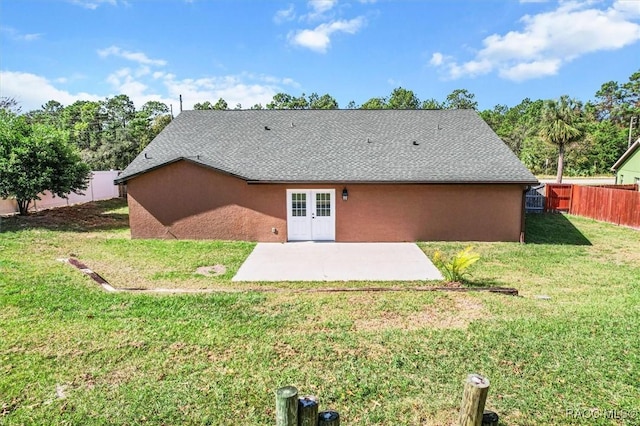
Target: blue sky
<point>245,51</point>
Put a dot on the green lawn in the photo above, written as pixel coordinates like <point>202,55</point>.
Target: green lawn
<point>71,353</point>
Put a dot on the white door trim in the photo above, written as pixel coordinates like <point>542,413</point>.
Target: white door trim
<point>308,220</point>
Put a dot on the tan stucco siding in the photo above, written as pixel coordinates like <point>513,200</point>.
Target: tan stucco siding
<point>187,201</point>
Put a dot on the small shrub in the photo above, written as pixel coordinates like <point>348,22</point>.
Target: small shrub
<point>455,269</point>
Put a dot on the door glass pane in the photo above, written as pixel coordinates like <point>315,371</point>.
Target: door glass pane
<point>298,204</point>
<point>323,204</point>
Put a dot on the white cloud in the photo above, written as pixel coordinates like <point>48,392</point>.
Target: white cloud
<point>437,59</point>
<point>318,10</point>
<point>246,89</point>
<point>318,39</point>
<point>285,15</point>
<point>32,91</point>
<point>138,57</point>
<point>93,4</point>
<point>322,6</point>
<point>18,36</point>
<point>535,69</point>
<point>30,37</point>
<point>629,7</point>
<point>549,40</point>
<point>142,84</point>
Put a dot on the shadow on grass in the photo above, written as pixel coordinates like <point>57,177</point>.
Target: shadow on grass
<point>471,282</point>
<point>553,228</point>
<point>94,216</point>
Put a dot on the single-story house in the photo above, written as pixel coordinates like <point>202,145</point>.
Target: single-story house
<point>333,175</point>
<point>627,168</point>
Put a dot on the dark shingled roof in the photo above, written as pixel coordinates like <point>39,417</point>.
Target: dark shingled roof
<point>412,146</point>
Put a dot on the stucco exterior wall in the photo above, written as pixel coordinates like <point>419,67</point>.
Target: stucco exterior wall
<point>187,201</point>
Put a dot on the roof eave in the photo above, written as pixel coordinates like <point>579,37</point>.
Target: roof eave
<point>394,182</point>
<point>175,160</point>
<point>628,153</point>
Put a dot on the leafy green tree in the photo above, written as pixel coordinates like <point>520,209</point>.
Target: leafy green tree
<point>432,104</point>
<point>609,102</point>
<point>403,99</point>
<point>50,113</point>
<point>322,102</point>
<point>286,101</point>
<point>461,99</point>
<point>220,105</point>
<point>603,144</point>
<point>374,103</point>
<point>35,158</point>
<point>514,125</point>
<point>536,154</point>
<point>9,104</point>
<point>560,126</point>
<point>202,106</point>
<point>352,105</point>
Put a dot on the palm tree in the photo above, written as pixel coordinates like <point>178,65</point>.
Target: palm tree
<point>560,125</point>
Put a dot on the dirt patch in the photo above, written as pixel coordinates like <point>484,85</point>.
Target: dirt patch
<point>80,217</point>
<point>211,271</point>
<point>457,314</point>
<point>375,311</point>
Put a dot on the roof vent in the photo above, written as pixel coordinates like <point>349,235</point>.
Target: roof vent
<point>416,143</point>
<point>368,140</point>
<point>267,128</point>
<point>293,125</point>
<point>146,156</point>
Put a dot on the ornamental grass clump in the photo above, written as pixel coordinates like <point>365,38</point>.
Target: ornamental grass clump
<point>456,269</point>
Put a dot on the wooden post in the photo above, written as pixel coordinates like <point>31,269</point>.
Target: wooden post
<point>287,406</point>
<point>474,397</point>
<point>329,418</point>
<point>308,411</point>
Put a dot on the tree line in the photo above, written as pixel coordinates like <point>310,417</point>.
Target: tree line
<point>586,137</point>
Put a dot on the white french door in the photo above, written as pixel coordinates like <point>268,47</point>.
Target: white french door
<point>311,214</point>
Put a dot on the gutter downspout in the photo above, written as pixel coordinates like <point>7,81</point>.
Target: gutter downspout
<point>522,219</point>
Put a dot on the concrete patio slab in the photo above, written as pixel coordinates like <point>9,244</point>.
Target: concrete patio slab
<point>327,261</point>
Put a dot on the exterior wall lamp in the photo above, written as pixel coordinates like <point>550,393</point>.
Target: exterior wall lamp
<point>345,194</point>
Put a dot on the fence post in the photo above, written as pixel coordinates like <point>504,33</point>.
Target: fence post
<point>287,406</point>
<point>329,418</point>
<point>571,199</point>
<point>474,397</point>
<point>308,411</point>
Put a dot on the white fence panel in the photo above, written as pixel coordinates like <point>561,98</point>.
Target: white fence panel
<point>100,187</point>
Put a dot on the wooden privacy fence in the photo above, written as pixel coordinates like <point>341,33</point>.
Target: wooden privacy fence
<point>557,197</point>
<point>610,205</point>
<point>619,204</point>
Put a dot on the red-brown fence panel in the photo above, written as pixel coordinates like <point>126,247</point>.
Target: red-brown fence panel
<point>619,206</point>
<point>558,197</point>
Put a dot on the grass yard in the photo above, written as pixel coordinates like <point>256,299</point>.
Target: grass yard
<point>71,353</point>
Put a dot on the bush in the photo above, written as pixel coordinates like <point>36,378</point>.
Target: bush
<point>457,268</point>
